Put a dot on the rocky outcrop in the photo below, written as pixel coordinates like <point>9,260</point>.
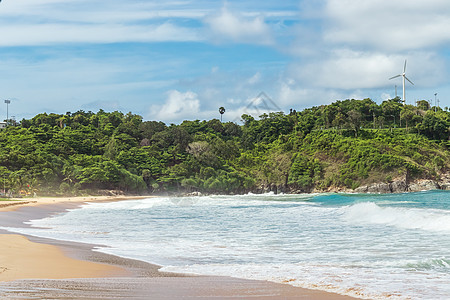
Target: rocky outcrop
<point>423,185</point>
<point>401,186</point>
<point>194,194</point>
<point>398,186</point>
<point>380,188</point>
<point>361,189</point>
<point>445,186</point>
<point>445,182</point>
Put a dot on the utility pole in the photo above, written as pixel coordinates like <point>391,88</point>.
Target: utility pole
<point>7,103</point>
<point>435,94</point>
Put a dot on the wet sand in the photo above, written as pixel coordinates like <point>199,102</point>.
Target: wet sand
<point>15,203</point>
<point>38,268</point>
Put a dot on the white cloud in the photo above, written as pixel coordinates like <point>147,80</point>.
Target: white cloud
<point>42,34</point>
<point>60,83</point>
<point>28,23</point>
<point>292,95</point>
<point>38,22</point>
<point>385,96</point>
<point>348,69</point>
<point>324,51</point>
<point>235,27</point>
<point>254,79</point>
<point>178,106</point>
<point>354,47</point>
<point>390,25</point>
<point>104,105</point>
<point>234,101</point>
<point>99,11</point>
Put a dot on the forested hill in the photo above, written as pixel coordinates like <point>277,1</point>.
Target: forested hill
<point>344,145</point>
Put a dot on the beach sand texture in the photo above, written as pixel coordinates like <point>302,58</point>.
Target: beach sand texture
<point>20,258</point>
<point>36,268</point>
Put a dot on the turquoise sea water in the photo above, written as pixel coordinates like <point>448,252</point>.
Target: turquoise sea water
<point>394,246</point>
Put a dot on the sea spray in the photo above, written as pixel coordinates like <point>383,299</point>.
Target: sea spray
<point>408,218</point>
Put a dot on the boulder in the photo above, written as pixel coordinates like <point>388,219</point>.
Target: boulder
<point>379,188</point>
<point>361,189</point>
<point>399,186</point>
<point>424,185</point>
<point>445,186</point>
<point>195,194</point>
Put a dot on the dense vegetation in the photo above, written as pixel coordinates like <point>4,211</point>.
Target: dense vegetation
<point>345,144</point>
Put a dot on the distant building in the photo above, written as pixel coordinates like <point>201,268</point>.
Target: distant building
<point>2,125</point>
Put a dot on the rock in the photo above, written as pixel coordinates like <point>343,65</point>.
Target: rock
<point>361,189</point>
<point>423,185</point>
<point>282,189</point>
<point>110,193</point>
<point>445,186</point>
<point>445,182</point>
<point>194,194</point>
<point>379,188</point>
<point>399,186</point>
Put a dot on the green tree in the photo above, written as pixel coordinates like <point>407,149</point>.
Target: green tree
<point>434,126</point>
<point>423,105</point>
<point>407,115</point>
<point>221,111</point>
<point>354,118</point>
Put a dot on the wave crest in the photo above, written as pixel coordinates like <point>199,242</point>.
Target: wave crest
<point>407,218</point>
<point>441,264</point>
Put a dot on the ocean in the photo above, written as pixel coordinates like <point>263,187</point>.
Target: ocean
<point>369,246</point>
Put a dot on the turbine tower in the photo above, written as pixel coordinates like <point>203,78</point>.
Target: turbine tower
<point>403,75</point>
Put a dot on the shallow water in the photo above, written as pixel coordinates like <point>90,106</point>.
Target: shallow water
<point>368,246</point>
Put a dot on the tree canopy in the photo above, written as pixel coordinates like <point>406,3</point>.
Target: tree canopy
<point>345,144</point>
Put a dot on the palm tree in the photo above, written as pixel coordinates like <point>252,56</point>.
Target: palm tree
<point>221,111</point>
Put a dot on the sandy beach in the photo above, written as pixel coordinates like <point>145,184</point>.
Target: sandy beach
<point>15,203</point>
<point>37,268</point>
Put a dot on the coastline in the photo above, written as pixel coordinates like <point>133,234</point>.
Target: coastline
<point>14,203</point>
<point>73,270</point>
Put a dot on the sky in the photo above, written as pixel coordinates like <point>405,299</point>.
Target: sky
<point>181,60</point>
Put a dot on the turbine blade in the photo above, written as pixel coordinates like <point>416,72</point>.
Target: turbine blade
<point>395,76</point>
<point>409,80</point>
<point>404,68</point>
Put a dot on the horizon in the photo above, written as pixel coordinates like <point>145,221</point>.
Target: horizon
<point>182,60</point>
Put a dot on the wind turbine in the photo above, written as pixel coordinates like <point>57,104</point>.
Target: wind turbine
<point>404,82</point>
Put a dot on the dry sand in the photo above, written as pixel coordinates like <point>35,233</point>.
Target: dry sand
<point>20,258</point>
<point>36,268</point>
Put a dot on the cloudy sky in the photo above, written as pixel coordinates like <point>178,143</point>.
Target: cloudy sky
<point>175,60</point>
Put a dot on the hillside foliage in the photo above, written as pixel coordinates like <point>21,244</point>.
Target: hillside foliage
<point>344,144</point>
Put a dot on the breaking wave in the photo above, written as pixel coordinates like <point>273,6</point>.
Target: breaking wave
<point>406,218</point>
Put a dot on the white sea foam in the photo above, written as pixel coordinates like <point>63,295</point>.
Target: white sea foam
<point>330,242</point>
<point>407,218</point>
<point>441,264</point>
<point>355,281</point>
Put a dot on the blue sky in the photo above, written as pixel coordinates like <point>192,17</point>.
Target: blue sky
<point>177,60</point>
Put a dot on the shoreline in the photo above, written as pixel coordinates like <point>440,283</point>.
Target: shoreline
<point>75,270</point>
<point>9,204</point>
